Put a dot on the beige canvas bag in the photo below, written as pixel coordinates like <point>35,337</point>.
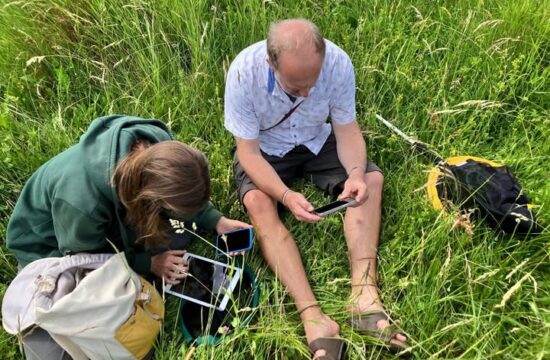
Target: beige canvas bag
<point>94,305</point>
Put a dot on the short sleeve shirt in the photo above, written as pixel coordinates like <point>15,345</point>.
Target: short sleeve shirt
<point>254,102</point>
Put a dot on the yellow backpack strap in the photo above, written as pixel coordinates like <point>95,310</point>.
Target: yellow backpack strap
<point>455,160</point>
<point>433,195</point>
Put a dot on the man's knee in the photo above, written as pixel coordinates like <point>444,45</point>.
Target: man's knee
<point>257,202</point>
<point>375,181</point>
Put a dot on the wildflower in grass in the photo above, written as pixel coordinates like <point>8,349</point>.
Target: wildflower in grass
<point>179,226</point>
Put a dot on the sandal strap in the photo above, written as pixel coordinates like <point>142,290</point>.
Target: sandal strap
<point>367,323</point>
<point>315,304</point>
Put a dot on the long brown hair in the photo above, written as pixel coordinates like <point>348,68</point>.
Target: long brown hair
<point>168,176</point>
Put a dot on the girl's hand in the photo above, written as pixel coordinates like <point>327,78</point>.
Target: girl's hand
<point>170,265</point>
<point>226,225</point>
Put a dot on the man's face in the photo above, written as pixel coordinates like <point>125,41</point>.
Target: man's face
<point>298,73</point>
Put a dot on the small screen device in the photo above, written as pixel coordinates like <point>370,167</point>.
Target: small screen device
<point>208,282</point>
<point>234,241</point>
<point>334,206</point>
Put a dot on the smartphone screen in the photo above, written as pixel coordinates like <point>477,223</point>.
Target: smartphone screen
<point>334,206</point>
<point>330,206</point>
<point>234,241</point>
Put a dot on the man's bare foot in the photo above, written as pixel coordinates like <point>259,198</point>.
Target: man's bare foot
<point>317,325</point>
<point>366,299</point>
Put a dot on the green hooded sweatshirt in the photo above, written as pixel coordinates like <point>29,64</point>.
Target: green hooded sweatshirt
<point>68,205</point>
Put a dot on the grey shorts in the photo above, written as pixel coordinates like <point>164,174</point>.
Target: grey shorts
<point>323,169</point>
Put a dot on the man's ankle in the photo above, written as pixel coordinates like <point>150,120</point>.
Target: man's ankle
<point>360,305</point>
<point>364,290</point>
<point>312,311</point>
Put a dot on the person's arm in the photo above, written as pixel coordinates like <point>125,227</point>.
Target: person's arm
<point>226,225</point>
<point>141,262</point>
<point>170,266</point>
<point>352,153</point>
<point>267,180</point>
<point>211,219</point>
<point>207,218</point>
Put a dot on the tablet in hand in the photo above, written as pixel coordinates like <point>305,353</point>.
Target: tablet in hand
<point>208,282</point>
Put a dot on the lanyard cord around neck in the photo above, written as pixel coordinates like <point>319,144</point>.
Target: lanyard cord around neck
<point>286,116</point>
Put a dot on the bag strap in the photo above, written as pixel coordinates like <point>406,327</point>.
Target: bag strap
<point>286,116</point>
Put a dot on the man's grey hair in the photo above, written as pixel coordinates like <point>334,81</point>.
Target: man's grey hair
<point>276,42</point>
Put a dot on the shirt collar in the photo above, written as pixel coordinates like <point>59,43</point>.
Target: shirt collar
<point>271,83</point>
<point>270,80</point>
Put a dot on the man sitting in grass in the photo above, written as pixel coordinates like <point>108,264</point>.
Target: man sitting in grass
<point>278,97</point>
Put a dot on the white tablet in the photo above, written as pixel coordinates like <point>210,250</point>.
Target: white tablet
<point>208,283</point>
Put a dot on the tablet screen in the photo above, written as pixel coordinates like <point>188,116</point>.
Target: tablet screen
<point>208,282</point>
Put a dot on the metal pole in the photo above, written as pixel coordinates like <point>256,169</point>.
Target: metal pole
<point>417,145</point>
<point>396,130</point>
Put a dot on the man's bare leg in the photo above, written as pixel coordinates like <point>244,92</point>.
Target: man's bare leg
<point>362,230</point>
<point>283,257</point>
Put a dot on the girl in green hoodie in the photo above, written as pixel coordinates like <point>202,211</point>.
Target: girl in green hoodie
<point>115,191</point>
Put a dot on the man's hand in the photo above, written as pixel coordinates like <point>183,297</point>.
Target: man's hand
<point>355,187</point>
<point>170,265</point>
<point>300,207</point>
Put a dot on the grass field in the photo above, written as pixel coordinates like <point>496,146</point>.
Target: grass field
<point>468,77</point>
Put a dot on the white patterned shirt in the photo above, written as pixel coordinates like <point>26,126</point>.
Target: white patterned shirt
<point>254,102</point>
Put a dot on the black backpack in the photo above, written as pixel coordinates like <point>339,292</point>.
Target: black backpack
<point>492,191</point>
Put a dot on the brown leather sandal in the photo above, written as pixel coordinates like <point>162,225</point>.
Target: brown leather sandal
<point>366,323</point>
<point>334,347</point>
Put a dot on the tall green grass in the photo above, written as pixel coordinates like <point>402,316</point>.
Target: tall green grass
<point>467,77</point>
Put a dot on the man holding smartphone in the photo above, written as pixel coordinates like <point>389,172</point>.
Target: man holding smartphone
<point>279,94</point>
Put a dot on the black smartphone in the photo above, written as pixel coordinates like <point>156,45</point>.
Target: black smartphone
<point>334,206</point>
<point>235,241</point>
